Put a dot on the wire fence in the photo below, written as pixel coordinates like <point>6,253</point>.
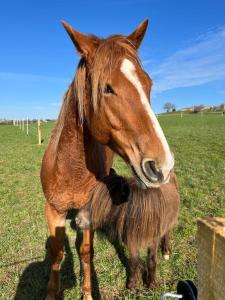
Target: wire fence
<point>188,114</point>
<point>30,127</point>
<point>33,127</point>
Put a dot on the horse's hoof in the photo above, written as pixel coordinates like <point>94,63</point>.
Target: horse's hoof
<point>166,256</point>
<point>152,286</point>
<point>131,285</point>
<point>51,293</point>
<point>87,297</point>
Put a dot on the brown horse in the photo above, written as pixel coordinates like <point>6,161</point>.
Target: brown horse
<point>106,109</point>
<point>141,222</point>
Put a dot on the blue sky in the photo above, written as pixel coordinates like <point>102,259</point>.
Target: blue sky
<point>183,50</point>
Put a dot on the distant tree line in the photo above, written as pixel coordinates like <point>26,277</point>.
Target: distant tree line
<point>170,107</point>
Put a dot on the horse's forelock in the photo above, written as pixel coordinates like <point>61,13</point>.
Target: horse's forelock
<point>109,54</point>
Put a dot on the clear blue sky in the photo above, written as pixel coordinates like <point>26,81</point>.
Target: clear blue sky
<point>183,50</point>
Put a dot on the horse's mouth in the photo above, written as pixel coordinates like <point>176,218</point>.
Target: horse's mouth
<point>139,182</point>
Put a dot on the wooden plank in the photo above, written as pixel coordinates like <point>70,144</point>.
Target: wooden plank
<point>211,259</point>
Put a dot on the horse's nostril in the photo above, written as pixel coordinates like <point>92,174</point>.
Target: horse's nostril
<point>151,171</point>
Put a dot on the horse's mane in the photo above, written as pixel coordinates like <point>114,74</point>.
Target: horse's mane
<point>108,55</point>
<point>146,213</point>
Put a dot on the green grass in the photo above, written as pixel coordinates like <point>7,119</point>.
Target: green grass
<point>199,147</point>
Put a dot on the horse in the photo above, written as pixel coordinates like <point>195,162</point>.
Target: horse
<point>140,219</point>
<point>105,110</point>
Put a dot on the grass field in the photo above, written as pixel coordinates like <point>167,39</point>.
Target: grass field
<point>199,147</point>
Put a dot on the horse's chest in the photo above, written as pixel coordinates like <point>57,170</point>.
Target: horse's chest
<point>73,193</point>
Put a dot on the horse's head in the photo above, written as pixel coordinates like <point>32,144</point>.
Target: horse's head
<point>117,103</point>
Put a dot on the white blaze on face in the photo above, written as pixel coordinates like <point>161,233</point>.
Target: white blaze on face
<point>128,69</point>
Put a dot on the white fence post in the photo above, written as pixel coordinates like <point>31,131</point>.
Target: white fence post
<point>27,127</point>
<point>39,132</point>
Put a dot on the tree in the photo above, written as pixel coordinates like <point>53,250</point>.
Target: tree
<point>169,107</point>
<point>173,107</point>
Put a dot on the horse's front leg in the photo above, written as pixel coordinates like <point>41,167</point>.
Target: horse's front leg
<point>134,264</point>
<point>56,225</point>
<point>152,264</point>
<point>86,254</point>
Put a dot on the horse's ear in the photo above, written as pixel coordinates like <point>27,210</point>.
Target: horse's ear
<point>137,36</point>
<point>85,44</point>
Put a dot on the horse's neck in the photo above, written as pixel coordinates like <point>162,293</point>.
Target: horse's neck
<point>75,149</point>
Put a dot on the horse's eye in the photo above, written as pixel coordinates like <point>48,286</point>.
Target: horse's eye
<point>108,89</point>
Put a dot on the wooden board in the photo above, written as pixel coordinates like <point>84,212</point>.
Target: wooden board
<point>211,259</point>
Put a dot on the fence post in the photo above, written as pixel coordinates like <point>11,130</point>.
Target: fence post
<point>181,114</point>
<point>39,132</point>
<point>27,126</point>
<point>23,125</point>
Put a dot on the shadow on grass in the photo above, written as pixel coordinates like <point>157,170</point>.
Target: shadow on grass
<point>33,282</point>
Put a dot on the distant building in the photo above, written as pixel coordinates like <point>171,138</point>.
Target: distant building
<point>207,107</point>
<point>220,107</point>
